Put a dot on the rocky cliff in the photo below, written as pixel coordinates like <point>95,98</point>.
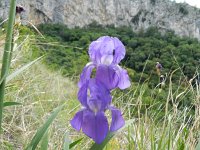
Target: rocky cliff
<point>139,14</point>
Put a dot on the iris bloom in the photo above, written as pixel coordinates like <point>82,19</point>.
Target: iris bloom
<point>94,93</point>
<point>95,99</point>
<point>105,55</point>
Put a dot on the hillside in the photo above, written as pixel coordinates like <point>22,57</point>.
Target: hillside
<point>40,90</point>
<point>157,117</point>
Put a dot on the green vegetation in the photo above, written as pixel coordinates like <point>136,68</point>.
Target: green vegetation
<point>7,56</point>
<point>144,49</point>
<point>161,119</point>
<point>152,46</point>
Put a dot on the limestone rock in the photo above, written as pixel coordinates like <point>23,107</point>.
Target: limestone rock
<point>139,14</point>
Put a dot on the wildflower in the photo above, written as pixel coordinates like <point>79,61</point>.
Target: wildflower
<point>105,55</point>
<point>94,93</point>
<point>96,99</point>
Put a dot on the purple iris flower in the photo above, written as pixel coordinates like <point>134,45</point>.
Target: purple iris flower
<point>94,92</point>
<point>96,99</point>
<point>105,55</point>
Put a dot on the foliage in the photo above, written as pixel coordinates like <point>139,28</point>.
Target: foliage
<point>7,56</point>
<point>69,55</point>
<point>163,119</point>
<point>152,46</point>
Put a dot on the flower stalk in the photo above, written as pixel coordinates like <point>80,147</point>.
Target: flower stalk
<point>7,55</point>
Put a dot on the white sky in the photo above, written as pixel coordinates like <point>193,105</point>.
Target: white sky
<point>190,2</point>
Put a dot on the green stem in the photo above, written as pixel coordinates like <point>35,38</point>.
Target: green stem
<point>7,54</point>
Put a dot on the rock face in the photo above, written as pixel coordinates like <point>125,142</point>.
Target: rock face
<point>139,14</point>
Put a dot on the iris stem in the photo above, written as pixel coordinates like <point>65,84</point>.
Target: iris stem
<point>7,55</point>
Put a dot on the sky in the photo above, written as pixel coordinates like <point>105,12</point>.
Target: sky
<point>190,2</point>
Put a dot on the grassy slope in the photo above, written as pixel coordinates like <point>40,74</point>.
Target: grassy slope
<point>41,90</point>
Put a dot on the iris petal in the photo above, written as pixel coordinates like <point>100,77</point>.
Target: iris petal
<point>107,59</point>
<point>94,89</point>
<point>94,50</point>
<point>117,119</point>
<point>120,51</point>
<point>82,94</point>
<point>98,91</point>
<point>107,75</point>
<point>107,45</point>
<point>86,73</point>
<point>95,105</point>
<point>106,50</point>
<point>76,122</point>
<point>124,81</point>
<point>95,126</point>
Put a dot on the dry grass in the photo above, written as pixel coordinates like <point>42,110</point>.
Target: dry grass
<point>40,91</point>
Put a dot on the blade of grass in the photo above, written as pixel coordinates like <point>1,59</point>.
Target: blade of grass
<point>41,131</point>
<point>20,70</point>
<point>66,142</point>
<point>75,143</point>
<point>7,54</point>
<point>67,145</point>
<point>44,142</point>
<point>169,140</point>
<point>6,104</point>
<point>4,77</point>
<point>35,28</point>
<point>3,21</point>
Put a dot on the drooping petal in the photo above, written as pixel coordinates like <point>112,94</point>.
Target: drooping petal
<point>76,122</point>
<point>117,119</point>
<point>108,76</point>
<point>82,94</point>
<point>119,51</point>
<point>86,73</point>
<point>95,90</point>
<point>99,92</point>
<point>124,81</point>
<point>95,126</point>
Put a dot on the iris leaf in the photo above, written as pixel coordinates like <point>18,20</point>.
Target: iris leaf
<point>75,143</point>
<point>44,142</point>
<point>5,104</point>
<point>41,131</point>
